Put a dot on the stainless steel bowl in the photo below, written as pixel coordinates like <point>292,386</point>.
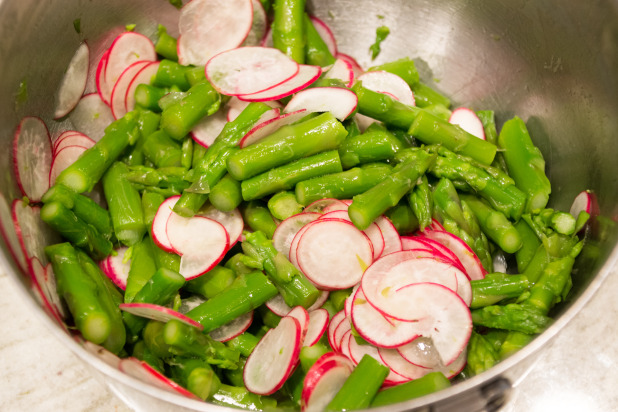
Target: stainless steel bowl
<point>553,63</point>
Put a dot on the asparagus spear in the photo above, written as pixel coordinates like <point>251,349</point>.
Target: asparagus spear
<point>403,218</point>
<point>170,73</point>
<point>258,217</point>
<point>432,382</point>
<point>240,397</point>
<point>196,375</point>
<point>243,343</point>
<point>161,150</point>
<point>316,51</point>
<point>166,45</point>
<point>403,68</point>
<point>513,317</point>
<point>288,28</point>
<point>287,176</point>
<point>371,146</point>
<point>425,96</point>
<point>211,283</point>
<point>384,108</point>
<point>154,339</point>
<point>142,352</point>
<point>421,201</point>
<point>481,354</point>
<point>226,195</point>
<point>366,207</point>
<point>496,287</point>
<point>283,205</point>
<point>289,143</point>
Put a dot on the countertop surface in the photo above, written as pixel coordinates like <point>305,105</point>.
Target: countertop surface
<point>579,372</point>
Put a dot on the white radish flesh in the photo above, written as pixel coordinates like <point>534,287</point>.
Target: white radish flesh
<point>392,240</point>
<point>332,327</point>
<point>158,313</point>
<point>159,223</point>
<point>388,83</point>
<point>7,229</point>
<point>232,221</point>
<point>326,34</point>
<point>232,329</point>
<point>127,48</point>
<point>32,157</point>
<point>397,363</point>
<point>302,316</point>
<point>278,306</point>
<point>340,102</point>
<point>373,232</point>
<point>73,83</point>
<point>325,205</point>
<point>420,352</point>
<point>76,139</point>
<point>206,130</point>
<point>104,90</point>
<point>306,75</point>
<point>358,70</point>
<point>341,70</point>
<point>471,263</point>
<point>268,125</point>
<point>285,232</point>
<point>63,159</point>
<point>468,121</point>
<point>33,234</point>
<point>318,323</point>
<point>91,116</point>
<point>258,25</point>
<point>119,92</point>
<point>581,203</point>
<point>116,268</point>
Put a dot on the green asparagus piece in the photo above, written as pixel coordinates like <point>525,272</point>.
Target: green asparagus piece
<point>496,287</point>
<point>86,171</point>
<point>199,152</point>
<point>185,340</point>
<point>425,96</point>
<point>246,293</point>
<point>269,319</point>
<point>342,185</point>
<point>258,217</point>
<point>432,382</point>
<point>384,108</point>
<point>432,130</point>
<point>147,123</point>
<point>548,290</point>
<point>421,202</point>
<point>212,166</point>
<point>196,375</point>
<point>75,230</point>
<point>525,163</point>
<point>147,96</point>
<point>371,146</point>
<point>287,144</point>
<point>494,224</point>
<point>310,354</point>
<point>515,317</point>
<point>211,283</point>
<point>178,119</point>
<point>491,135</point>
<point>226,195</point>
<point>240,397</point>
<point>481,354</point>
<point>316,51</point>
<point>403,218</point>
<point>163,259</point>
<point>403,68</point>
<point>170,73</point>
<point>141,270</point>
<point>166,45</point>
<point>161,150</point>
<point>288,29</point>
<point>291,283</point>
<point>514,341</point>
<point>150,205</point>
<point>366,207</point>
<point>361,386</point>
<point>125,205</point>
<point>243,343</point>
<point>537,263</point>
<point>153,338</point>
<point>242,264</point>
<point>283,205</point>
<point>142,352</point>
<point>448,203</point>
<point>187,153</point>
<point>172,178</point>
<point>84,208</point>
<point>287,176</point>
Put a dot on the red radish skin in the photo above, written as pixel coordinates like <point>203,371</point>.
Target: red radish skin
<point>104,90</point>
<point>358,351</point>
<point>158,313</point>
<point>326,34</point>
<point>278,306</point>
<point>76,139</point>
<point>43,290</point>
<point>159,224</point>
<point>318,323</point>
<point>63,159</point>
<point>323,380</point>
<point>332,327</point>
<point>399,365</point>
<point>344,344</point>
<point>344,327</point>
<point>144,76</point>
<point>582,203</point>
<point>65,134</point>
<point>10,236</point>
<point>340,102</point>
<point>32,157</point>
<point>347,305</point>
<point>91,116</point>
<point>73,83</point>
<point>336,206</point>
<point>209,27</point>
<point>412,243</point>
<point>471,263</point>
<point>232,329</point>
<point>119,92</point>
<point>125,50</point>
<point>341,70</point>
<point>358,70</point>
<point>442,250</point>
<point>285,232</point>
<point>274,358</point>
<point>235,106</point>
<point>249,70</point>
<point>115,267</point>
<point>388,83</point>
<point>468,121</point>
<point>305,76</point>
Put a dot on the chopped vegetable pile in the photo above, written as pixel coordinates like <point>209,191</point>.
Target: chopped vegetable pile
<point>244,215</point>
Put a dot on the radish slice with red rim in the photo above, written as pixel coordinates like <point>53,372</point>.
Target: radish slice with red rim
<point>144,76</point>
<point>325,206</point>
<point>285,232</point>
<point>400,365</point>
<point>344,327</point>
<point>268,125</point>
<point>119,92</point>
<point>345,344</point>
<point>392,240</point>
<point>159,223</point>
<point>468,121</point>
<point>274,357</point>
<point>333,254</point>
<point>318,323</point>
<point>33,234</point>
<point>127,48</point>
<point>248,70</point>
<point>341,70</point>
<point>420,352</point>
<point>278,306</point>
<point>435,225</point>
<point>206,130</point>
<point>91,116</point>
<point>323,380</point>
<point>64,135</point>
<point>32,157</point>
<point>454,368</point>
<point>76,139</point>
<point>306,75</point>
<point>373,232</point>
<point>232,221</point>
<point>442,250</point>
<point>158,313</point>
<point>582,203</point>
<point>336,206</point>
<point>413,243</point>
<point>235,106</point>
<point>10,235</point>
<point>116,268</point>
<point>358,351</point>
<point>232,329</point>
<point>104,90</point>
<point>302,316</point>
<point>45,290</point>
<point>73,83</point>
<point>200,241</point>
<point>326,34</point>
<point>144,372</point>
<point>358,70</point>
<point>388,83</point>
<point>102,353</point>
<point>347,305</point>
<point>259,25</point>
<point>63,159</point>
<point>340,102</point>
<point>471,263</point>
<point>209,27</point>
<point>332,327</point>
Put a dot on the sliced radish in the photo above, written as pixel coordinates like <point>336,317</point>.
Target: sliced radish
<point>388,83</point>
<point>258,25</point>
<point>332,327</point>
<point>269,125</point>
<point>285,232</point>
<point>248,70</point>
<point>75,139</point>
<point>235,106</point>
<point>435,225</point>
<point>63,159</point>
<point>201,242</point>
<point>144,76</point>
<point>344,344</point>
<point>101,353</point>
<point>323,380</point>
<point>471,263</point>
<point>232,329</point>
<point>278,306</point>
<point>347,304</point>
<point>116,268</point>
<point>392,240</point>
<point>159,313</point>
<point>302,316</point>
<point>413,243</point>
<point>45,289</point>
<point>333,254</point>
<point>358,351</point>
<point>344,327</point>
<point>341,70</point>
<point>582,203</point>
<point>104,90</point>
<point>306,75</point>
<point>209,27</point>
<point>127,48</point>
<point>340,102</point>
<point>10,235</point>
<point>318,322</point>
<point>159,223</point>
<point>144,372</point>
<point>373,232</point>
<point>326,34</point>
<point>91,116</point>
<point>32,157</point>
<point>33,234</point>
<point>294,245</point>
<point>469,121</point>
<point>336,206</point>
<point>57,140</point>
<point>420,352</point>
<point>442,250</point>
<point>73,83</point>
<point>453,369</point>
<point>397,363</point>
<point>267,40</point>
<point>358,70</point>
<point>232,221</point>
<point>325,206</point>
<point>273,358</point>
<point>119,92</point>
<point>206,130</point>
